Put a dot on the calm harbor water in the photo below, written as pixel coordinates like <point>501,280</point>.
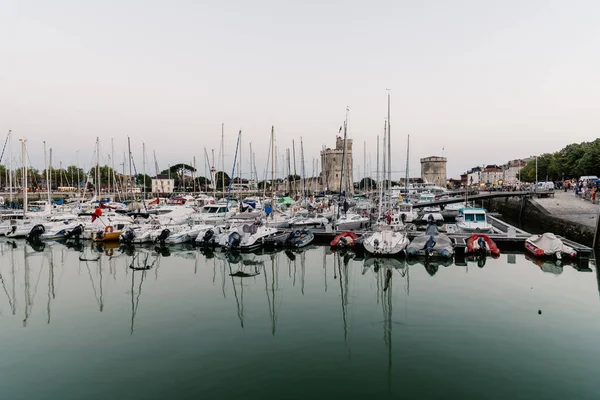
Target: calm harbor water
<point>308,325</point>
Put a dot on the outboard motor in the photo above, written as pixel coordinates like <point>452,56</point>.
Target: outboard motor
<point>75,232</point>
<point>208,236</point>
<point>35,233</point>
<point>234,240</point>
<point>429,245</point>
<point>164,234</point>
<point>482,245</point>
<point>343,242</point>
<point>128,236</point>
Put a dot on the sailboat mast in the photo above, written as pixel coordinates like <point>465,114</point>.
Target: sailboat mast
<point>98,167</point>
<point>378,181</point>
<point>112,160</point>
<point>273,161</point>
<point>24,155</point>
<point>384,166</point>
<point>406,178</point>
<point>223,157</point>
<point>303,169</point>
<point>47,172</point>
<point>130,169</point>
<point>389,143</point>
<point>144,168</point>
<point>294,156</point>
<point>10,171</point>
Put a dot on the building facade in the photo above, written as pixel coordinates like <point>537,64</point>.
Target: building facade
<point>512,171</point>
<point>474,176</point>
<point>491,174</point>
<point>163,185</point>
<point>332,161</point>
<point>433,170</point>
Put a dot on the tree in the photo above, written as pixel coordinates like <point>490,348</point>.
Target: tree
<point>219,180</point>
<point>203,182</point>
<point>367,183</point>
<point>294,178</point>
<point>139,180</point>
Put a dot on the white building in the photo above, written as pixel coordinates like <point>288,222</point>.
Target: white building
<point>474,176</point>
<point>512,171</point>
<point>163,185</point>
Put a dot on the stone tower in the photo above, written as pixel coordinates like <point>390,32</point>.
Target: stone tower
<point>331,163</point>
<point>433,170</point>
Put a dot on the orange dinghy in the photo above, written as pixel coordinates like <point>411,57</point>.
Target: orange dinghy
<point>479,243</point>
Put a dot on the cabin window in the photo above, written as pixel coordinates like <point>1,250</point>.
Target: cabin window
<point>469,218</point>
<point>480,218</point>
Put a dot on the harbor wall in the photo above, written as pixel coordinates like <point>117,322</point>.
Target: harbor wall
<point>533,218</point>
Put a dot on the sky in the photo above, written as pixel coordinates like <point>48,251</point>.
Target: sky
<point>478,82</point>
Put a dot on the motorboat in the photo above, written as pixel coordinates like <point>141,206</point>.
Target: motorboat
<point>65,230</point>
<point>406,212</point>
<point>431,243</point>
<point>187,234</point>
<point>248,237</point>
<point>482,244</point>
<point>473,220</point>
<point>351,222</point>
<point>212,236</point>
<point>386,242</point>
<point>548,245</point>
<point>213,213</point>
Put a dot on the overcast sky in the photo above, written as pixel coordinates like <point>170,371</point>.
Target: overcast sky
<point>486,81</point>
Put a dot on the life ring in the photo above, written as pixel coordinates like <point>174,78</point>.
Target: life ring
<point>109,252</point>
<point>108,229</point>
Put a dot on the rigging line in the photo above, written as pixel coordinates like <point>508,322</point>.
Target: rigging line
<point>4,148</point>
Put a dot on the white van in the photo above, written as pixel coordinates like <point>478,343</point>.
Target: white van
<point>545,186</point>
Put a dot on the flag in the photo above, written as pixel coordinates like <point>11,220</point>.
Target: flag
<point>340,131</point>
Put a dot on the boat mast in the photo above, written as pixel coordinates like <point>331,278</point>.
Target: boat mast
<point>232,172</point>
<point>10,172</point>
<point>303,169</point>
<point>407,176</point>
<point>144,169</point>
<point>223,157</point>
<point>380,186</point>
<point>47,175</point>
<point>344,157</point>
<point>112,165</point>
<point>294,157</point>
<point>130,169</point>
<point>24,161</point>
<point>273,163</point>
<point>389,143</point>
<point>382,198</point>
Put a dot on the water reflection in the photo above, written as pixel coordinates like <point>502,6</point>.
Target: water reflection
<point>26,267</point>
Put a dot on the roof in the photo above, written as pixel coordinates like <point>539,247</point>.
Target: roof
<point>472,210</point>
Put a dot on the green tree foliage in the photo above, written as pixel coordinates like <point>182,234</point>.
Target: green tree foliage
<point>219,179</point>
<point>105,172</point>
<point>367,183</point>
<point>139,180</point>
<point>573,161</point>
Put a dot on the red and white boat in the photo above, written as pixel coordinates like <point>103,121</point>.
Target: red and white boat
<point>548,245</point>
<point>479,243</point>
<point>345,239</point>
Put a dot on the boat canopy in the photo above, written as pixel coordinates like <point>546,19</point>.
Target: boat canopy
<point>286,200</point>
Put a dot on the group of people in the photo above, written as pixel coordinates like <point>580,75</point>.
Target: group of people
<point>586,190</point>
